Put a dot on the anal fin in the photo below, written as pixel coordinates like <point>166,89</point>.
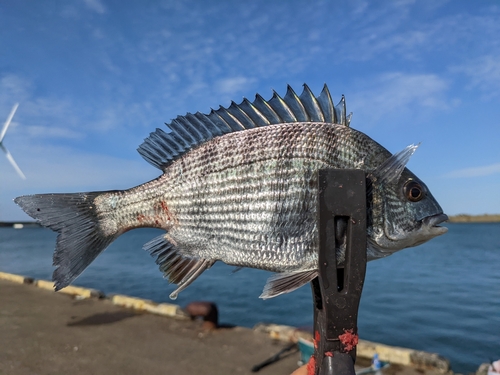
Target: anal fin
<point>285,282</point>
<point>178,268</point>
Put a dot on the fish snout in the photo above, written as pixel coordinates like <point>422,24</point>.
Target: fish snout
<point>432,223</point>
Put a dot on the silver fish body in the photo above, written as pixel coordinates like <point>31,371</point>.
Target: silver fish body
<point>244,194</point>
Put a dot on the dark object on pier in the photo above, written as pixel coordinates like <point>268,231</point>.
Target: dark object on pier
<point>206,310</point>
<point>337,290</point>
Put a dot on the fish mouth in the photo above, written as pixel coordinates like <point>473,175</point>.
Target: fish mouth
<point>432,222</point>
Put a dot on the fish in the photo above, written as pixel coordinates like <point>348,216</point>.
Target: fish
<point>240,185</point>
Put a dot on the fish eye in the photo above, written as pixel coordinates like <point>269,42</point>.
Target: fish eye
<point>413,191</point>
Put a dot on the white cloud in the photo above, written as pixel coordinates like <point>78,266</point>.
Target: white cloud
<point>398,93</point>
<point>40,132</point>
<point>53,117</point>
<point>13,89</point>
<point>95,5</point>
<point>249,44</point>
<point>483,72</point>
<point>360,7</point>
<point>480,171</point>
<point>233,85</point>
<point>73,9</point>
<point>393,31</point>
<point>36,111</point>
<point>423,89</point>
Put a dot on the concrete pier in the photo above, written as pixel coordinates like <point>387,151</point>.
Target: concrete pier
<point>43,332</point>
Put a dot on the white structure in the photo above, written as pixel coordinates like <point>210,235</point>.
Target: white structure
<point>2,135</point>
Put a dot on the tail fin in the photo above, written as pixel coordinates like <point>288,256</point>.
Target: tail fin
<point>80,238</point>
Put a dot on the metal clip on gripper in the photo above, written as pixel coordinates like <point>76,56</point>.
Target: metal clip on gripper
<point>337,291</point>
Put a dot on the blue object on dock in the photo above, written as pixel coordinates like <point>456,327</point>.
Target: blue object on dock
<point>306,350</point>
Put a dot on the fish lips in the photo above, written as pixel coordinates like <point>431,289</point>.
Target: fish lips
<point>432,224</point>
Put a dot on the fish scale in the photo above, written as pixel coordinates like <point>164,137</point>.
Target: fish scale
<point>240,185</point>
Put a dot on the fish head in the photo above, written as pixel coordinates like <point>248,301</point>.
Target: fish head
<point>403,211</point>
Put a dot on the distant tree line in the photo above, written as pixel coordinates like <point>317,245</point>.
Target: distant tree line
<point>464,218</point>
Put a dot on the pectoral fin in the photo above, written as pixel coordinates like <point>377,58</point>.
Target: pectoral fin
<point>286,282</point>
<point>391,169</point>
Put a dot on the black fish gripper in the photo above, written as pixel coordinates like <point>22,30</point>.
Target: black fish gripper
<point>337,289</point>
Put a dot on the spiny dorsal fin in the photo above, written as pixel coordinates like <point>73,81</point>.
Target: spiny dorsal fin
<point>161,148</point>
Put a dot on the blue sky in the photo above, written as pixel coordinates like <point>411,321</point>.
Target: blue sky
<point>95,77</point>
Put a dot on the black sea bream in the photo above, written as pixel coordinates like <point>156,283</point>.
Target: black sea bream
<point>239,185</point>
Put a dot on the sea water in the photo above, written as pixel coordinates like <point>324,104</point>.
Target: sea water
<point>443,296</point>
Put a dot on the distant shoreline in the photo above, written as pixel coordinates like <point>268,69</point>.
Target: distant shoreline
<point>486,218</point>
<point>19,224</point>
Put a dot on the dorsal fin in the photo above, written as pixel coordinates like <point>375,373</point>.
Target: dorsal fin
<point>191,130</point>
